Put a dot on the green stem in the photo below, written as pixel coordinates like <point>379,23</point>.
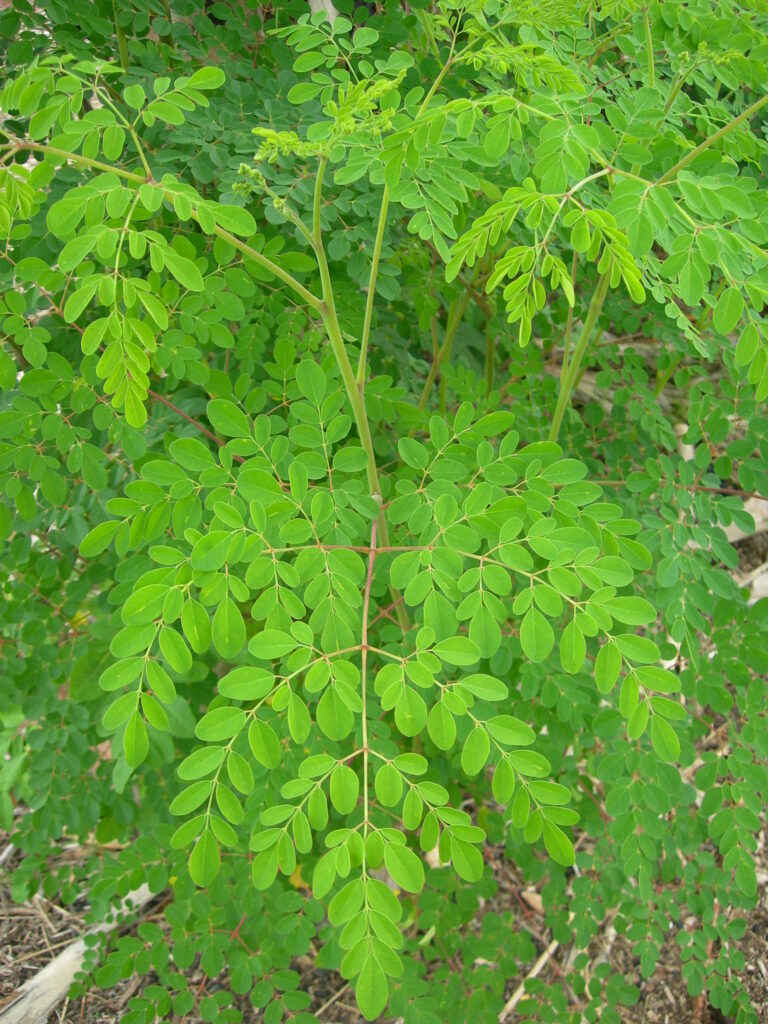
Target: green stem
<point>372,284</point>
<point>264,261</point>
<point>649,49</point>
<point>443,387</point>
<point>571,376</point>
<point>690,157</point>
<point>455,316</point>
<point>122,41</point>
<point>139,149</point>
<point>364,648</point>
<point>379,241</point>
<point>83,161</point>
<point>438,81</point>
<point>427,25</point>
<point>569,324</point>
<point>356,395</point>
<point>490,362</point>
<point>317,200</point>
<point>677,85</point>
<point>168,39</point>
<point>664,378</point>
<point>138,179</point>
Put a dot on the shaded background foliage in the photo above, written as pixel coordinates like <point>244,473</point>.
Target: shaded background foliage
<point>566,132</point>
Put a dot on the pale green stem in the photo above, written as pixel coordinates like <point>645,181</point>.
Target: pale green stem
<point>317,201</point>
<point>568,384</point>
<point>83,161</point>
<point>138,179</point>
<point>649,49</point>
<point>361,366</point>
<point>364,648</point>
<point>168,39</point>
<point>443,386</point>
<point>430,34</point>
<point>664,378</point>
<point>289,214</point>
<point>690,157</point>
<point>264,261</point>
<point>673,92</point>
<point>140,151</point>
<point>379,241</point>
<point>122,41</point>
<point>455,316</point>
<point>121,241</point>
<point>490,361</point>
<point>356,395</point>
<point>569,324</point>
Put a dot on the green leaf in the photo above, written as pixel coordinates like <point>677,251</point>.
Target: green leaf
<point>135,740</point>
<point>467,860</point>
<point>728,310</point>
<point>413,453</point>
<point>510,731</point>
<point>198,764</point>
<point>559,846</point>
<point>371,989</point>
<point>121,673</point>
<point>441,726</point>
<point>573,648</point>
<point>175,651</point>
<point>64,215</point>
<point>536,636</point>
<point>344,788</point>
<point>607,667</point>
<point>211,551</point>
<point>98,539</point>
<point>388,785</point>
<point>653,677</point>
<point>632,611</point>
<point>228,629</point>
<point>410,712</point>
<point>227,419</point>
<point>134,96</point>
<point>475,752</point>
<point>405,867</point>
<point>664,739</point>
<point>220,724</point>
<point>205,861</point>
<point>748,345</point>
<point>485,687</point>
<point>119,711</point>
<point>207,78</point>
<point>196,624</point>
<point>196,794</point>
<point>184,270</point>
<point>264,744</point>
<point>638,648</point>
<point>638,720</point>
<point>246,683</point>
<point>271,644</point>
<point>235,219</point>
<point>311,381</point>
<point>458,650</point>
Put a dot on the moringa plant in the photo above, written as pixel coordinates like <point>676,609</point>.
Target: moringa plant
<point>304,513</point>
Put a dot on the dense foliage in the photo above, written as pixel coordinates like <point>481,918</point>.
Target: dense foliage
<point>376,396</point>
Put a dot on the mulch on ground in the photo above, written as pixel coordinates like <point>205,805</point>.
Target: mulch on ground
<point>32,934</point>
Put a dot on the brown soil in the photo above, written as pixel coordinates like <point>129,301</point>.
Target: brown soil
<point>753,551</point>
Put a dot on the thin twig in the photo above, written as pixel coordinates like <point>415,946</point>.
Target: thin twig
<point>534,972</point>
<point>329,1002</point>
